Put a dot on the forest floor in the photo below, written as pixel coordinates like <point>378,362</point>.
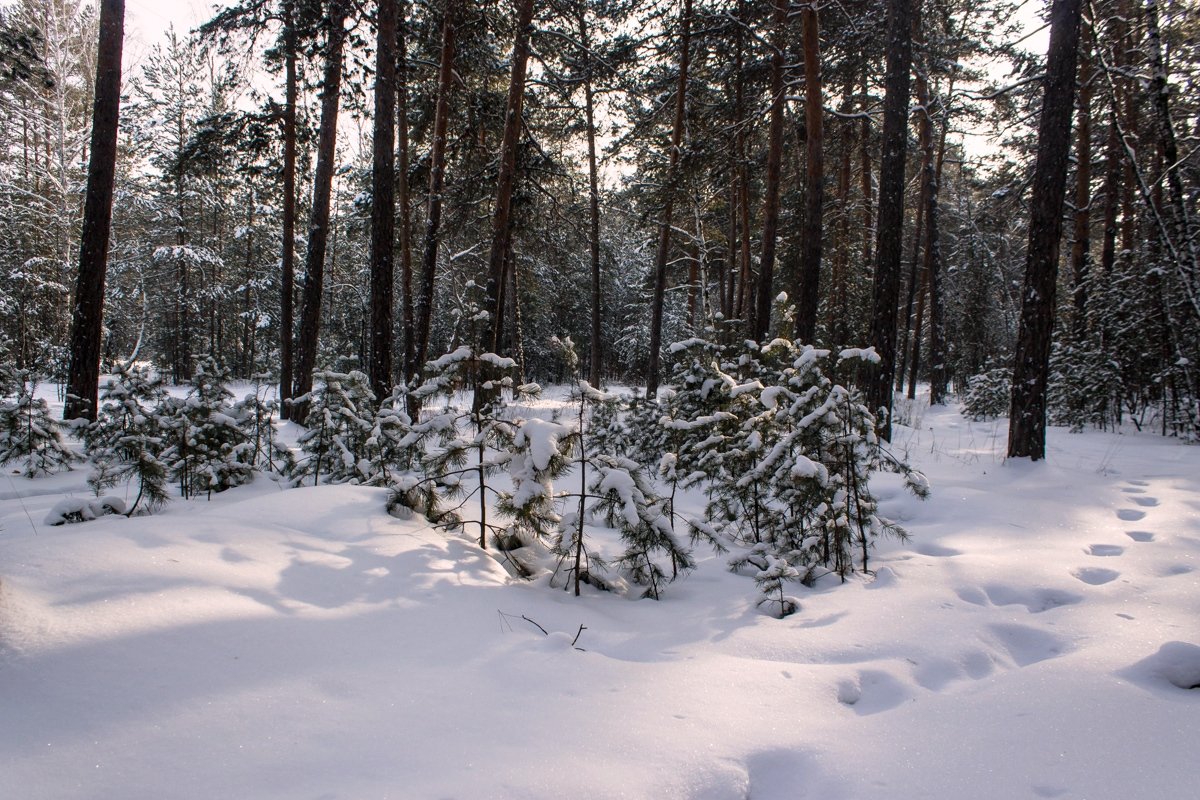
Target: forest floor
<point>1038,637</point>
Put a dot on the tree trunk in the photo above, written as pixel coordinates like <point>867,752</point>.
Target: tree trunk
<point>288,258</point>
<point>938,371</point>
<point>83,377</point>
<point>1027,418</point>
<point>664,229</point>
<point>403,198</point>
<point>318,227</point>
<point>814,191</point>
<point>597,347</point>
<point>891,212</point>
<point>433,214</point>
<point>1081,240</point>
<point>766,267</point>
<point>507,177</point>
<point>383,203</point>
<point>864,154</point>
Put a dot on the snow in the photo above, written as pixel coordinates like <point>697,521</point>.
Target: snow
<point>1036,637</point>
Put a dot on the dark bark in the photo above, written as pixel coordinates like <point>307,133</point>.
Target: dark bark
<point>403,198</point>
<point>318,227</point>
<point>1027,418</point>
<point>506,179</point>
<point>433,213</point>
<point>1081,239</point>
<point>938,368</point>
<point>766,267</point>
<point>383,203</point>
<point>814,176</point>
<point>868,196</point>
<point>664,229</point>
<point>83,377</point>
<point>595,361</point>
<point>890,227</point>
<point>288,258</point>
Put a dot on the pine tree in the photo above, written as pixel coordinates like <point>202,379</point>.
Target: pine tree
<point>29,435</point>
<point>127,440</point>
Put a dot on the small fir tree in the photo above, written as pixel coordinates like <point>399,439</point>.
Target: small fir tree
<point>28,434</point>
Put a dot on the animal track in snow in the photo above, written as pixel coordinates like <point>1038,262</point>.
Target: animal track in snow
<point>1130,514</point>
<point>1176,665</point>
<point>1096,576</point>
<point>1105,550</point>
<point>872,691</point>
<point>1140,536</point>
<point>1138,483</point>
<point>1176,569</point>
<point>1145,502</point>
<point>936,550</point>
<point>1034,600</point>
<point>1133,490</point>
<point>1026,645</point>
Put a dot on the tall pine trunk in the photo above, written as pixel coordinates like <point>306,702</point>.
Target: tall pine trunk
<point>506,179</point>
<point>318,227</point>
<point>83,378</point>
<point>433,213</point>
<point>766,267</point>
<point>1027,418</point>
<point>890,227</point>
<point>288,257</point>
<point>383,203</point>
<point>595,360</point>
<point>664,229</point>
<point>1081,239</point>
<point>814,187</point>
<point>408,312</point>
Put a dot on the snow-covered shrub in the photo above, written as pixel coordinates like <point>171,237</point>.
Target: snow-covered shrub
<point>456,443</point>
<point>82,509</point>
<point>1085,387</point>
<point>786,456</point>
<point>387,453</point>
<point>341,418</point>
<point>208,449</point>
<point>29,435</point>
<point>537,454</point>
<point>988,394</point>
<point>254,413</point>
<point>127,440</point>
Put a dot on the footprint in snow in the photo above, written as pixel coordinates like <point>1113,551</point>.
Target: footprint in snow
<point>872,691</point>
<point>1138,483</point>
<point>1145,502</point>
<point>1140,536</point>
<point>1176,569</point>
<point>1130,514</point>
<point>1105,550</point>
<point>1027,645</point>
<point>1175,666</point>
<point>1096,576</point>
<point>1133,490</point>
<point>1035,600</point>
<point>936,550</point>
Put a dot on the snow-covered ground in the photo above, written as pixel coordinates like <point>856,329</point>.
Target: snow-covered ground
<point>1035,638</point>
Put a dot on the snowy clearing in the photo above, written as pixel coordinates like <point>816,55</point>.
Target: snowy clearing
<point>1039,636</point>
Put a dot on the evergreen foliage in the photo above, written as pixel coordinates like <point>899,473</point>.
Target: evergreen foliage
<point>340,423</point>
<point>28,434</point>
<point>127,440</point>
<point>208,450</point>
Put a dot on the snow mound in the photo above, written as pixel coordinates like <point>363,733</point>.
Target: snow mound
<point>83,509</point>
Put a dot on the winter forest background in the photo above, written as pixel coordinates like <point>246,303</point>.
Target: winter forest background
<point>746,398</point>
<point>737,155</point>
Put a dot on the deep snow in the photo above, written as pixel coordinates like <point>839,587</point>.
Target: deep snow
<point>1035,638</point>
